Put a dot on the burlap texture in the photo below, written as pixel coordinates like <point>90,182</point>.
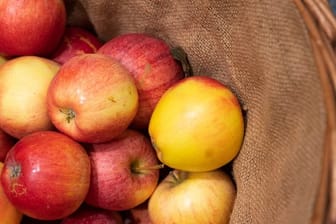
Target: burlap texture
<point>261,49</point>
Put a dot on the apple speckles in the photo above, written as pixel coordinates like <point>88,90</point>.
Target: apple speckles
<point>112,99</point>
<point>144,77</point>
<point>147,69</point>
<point>18,189</point>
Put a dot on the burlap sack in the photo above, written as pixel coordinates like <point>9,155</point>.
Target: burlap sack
<point>261,49</point>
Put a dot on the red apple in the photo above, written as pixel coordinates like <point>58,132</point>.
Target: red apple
<point>46,175</point>
<point>124,173</point>
<point>30,220</point>
<point>93,215</point>
<point>24,82</point>
<point>152,65</point>
<point>93,98</point>
<point>193,198</point>
<point>76,41</point>
<point>8,212</point>
<point>6,143</point>
<point>140,214</point>
<point>30,27</point>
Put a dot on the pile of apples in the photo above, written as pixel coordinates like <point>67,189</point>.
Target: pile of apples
<point>108,132</point>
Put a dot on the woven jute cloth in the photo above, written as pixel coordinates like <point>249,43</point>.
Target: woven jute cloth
<point>261,50</point>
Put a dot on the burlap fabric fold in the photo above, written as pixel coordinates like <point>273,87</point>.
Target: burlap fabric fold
<point>261,49</point>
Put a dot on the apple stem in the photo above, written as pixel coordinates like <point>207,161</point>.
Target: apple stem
<point>144,168</point>
<point>70,114</point>
<point>175,176</point>
<point>179,175</point>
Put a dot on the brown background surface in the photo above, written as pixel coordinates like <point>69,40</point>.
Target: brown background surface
<point>261,50</point>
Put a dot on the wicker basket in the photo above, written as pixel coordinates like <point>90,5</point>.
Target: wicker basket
<point>112,17</point>
<point>321,24</point>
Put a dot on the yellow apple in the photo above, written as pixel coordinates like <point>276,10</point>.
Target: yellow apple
<point>193,198</point>
<point>197,125</point>
<point>24,82</point>
<point>8,213</point>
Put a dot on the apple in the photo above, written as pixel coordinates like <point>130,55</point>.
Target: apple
<point>93,98</point>
<point>24,82</point>
<point>197,125</point>
<point>92,215</point>
<point>124,173</point>
<point>76,41</point>
<point>31,27</point>
<point>30,220</point>
<point>152,65</point>
<point>8,213</point>
<point>193,197</point>
<point>6,143</point>
<point>46,175</point>
<point>2,60</point>
<point>140,214</point>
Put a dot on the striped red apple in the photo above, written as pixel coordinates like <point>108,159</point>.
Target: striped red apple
<point>30,27</point>
<point>76,41</point>
<point>125,172</point>
<point>152,65</point>
<point>93,98</point>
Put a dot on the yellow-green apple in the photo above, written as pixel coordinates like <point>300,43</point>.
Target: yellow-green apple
<point>24,82</point>
<point>193,198</point>
<point>92,215</point>
<point>8,213</point>
<point>76,41</point>
<point>6,143</point>
<point>46,175</point>
<point>30,27</point>
<point>93,98</point>
<point>152,65</point>
<point>197,125</point>
<point>124,172</point>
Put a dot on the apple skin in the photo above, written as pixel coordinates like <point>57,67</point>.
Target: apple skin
<point>32,27</point>
<point>92,215</point>
<point>193,198</point>
<point>93,98</point>
<point>2,60</point>
<point>8,213</point>
<point>46,175</point>
<point>124,172</point>
<point>152,65</point>
<point>140,214</point>
<point>24,82</point>
<point>76,41</point>
<point>6,143</point>
<point>30,220</point>
<point>197,125</point>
